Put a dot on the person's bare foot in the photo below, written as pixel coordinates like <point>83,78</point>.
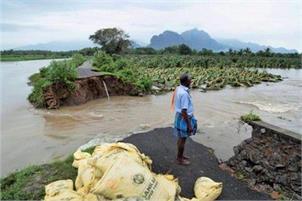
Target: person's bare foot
<point>183,161</point>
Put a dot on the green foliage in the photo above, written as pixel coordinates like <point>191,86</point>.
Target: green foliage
<point>77,60</point>
<point>122,68</point>
<point>36,96</point>
<point>34,78</point>
<point>136,77</point>
<point>250,117</point>
<point>171,50</point>
<point>57,72</point>
<point>112,40</point>
<point>103,62</point>
<point>20,55</point>
<point>207,59</point>
<point>63,72</point>
<point>178,49</point>
<point>184,49</point>
<point>145,83</point>
<point>163,71</point>
<point>212,78</point>
<point>120,64</point>
<point>89,51</point>
<point>144,50</point>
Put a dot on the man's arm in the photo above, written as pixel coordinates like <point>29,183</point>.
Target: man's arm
<point>186,118</point>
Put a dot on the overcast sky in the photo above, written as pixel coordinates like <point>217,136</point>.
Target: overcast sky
<point>276,23</point>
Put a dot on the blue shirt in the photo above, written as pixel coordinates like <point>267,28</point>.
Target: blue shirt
<point>183,100</point>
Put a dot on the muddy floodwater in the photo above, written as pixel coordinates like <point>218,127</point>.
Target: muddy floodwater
<point>32,136</point>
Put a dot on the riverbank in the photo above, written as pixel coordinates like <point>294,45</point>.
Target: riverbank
<point>159,144</point>
<point>11,58</point>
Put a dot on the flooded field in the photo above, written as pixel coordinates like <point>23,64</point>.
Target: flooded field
<point>31,136</point>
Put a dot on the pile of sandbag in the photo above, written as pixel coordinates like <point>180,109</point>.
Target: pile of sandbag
<point>119,171</point>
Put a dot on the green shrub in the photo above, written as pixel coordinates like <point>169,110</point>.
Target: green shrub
<point>62,71</point>
<point>36,96</point>
<point>144,83</point>
<point>103,62</point>
<point>57,72</point>
<point>120,64</point>
<point>77,60</point>
<point>250,117</point>
<point>34,78</point>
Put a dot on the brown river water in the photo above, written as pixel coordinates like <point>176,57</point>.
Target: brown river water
<point>34,136</point>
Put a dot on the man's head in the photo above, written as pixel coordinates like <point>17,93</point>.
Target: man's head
<point>185,80</point>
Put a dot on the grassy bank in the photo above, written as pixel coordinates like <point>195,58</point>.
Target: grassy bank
<point>57,72</point>
<point>29,57</point>
<point>23,55</point>
<point>29,183</point>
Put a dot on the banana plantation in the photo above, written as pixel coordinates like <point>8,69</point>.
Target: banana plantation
<point>163,71</point>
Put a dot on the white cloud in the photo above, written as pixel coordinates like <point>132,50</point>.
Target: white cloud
<point>276,23</point>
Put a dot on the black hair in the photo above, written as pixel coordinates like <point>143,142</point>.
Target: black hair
<point>184,78</point>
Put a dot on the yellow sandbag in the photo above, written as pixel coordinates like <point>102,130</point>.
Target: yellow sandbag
<point>90,169</point>
<point>102,149</point>
<point>104,162</point>
<point>61,190</point>
<point>127,178</point>
<point>93,197</point>
<point>105,155</point>
<point>170,184</point>
<point>79,156</point>
<point>118,171</point>
<point>184,199</point>
<point>105,148</point>
<point>87,177</point>
<point>130,199</point>
<point>69,195</point>
<point>56,187</point>
<point>206,189</point>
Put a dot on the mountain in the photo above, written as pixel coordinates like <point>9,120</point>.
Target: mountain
<point>58,46</point>
<point>198,39</point>
<point>166,39</point>
<point>194,38</point>
<point>237,45</point>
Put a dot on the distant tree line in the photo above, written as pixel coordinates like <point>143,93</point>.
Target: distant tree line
<point>85,51</point>
<point>180,49</point>
<point>186,50</point>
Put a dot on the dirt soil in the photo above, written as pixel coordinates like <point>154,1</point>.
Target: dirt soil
<point>86,89</point>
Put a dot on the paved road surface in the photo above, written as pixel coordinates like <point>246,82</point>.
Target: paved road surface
<point>160,145</point>
<point>85,70</point>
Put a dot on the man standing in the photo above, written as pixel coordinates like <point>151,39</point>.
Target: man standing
<point>185,124</point>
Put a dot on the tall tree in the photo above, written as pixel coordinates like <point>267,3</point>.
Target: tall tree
<point>184,49</point>
<point>112,40</point>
